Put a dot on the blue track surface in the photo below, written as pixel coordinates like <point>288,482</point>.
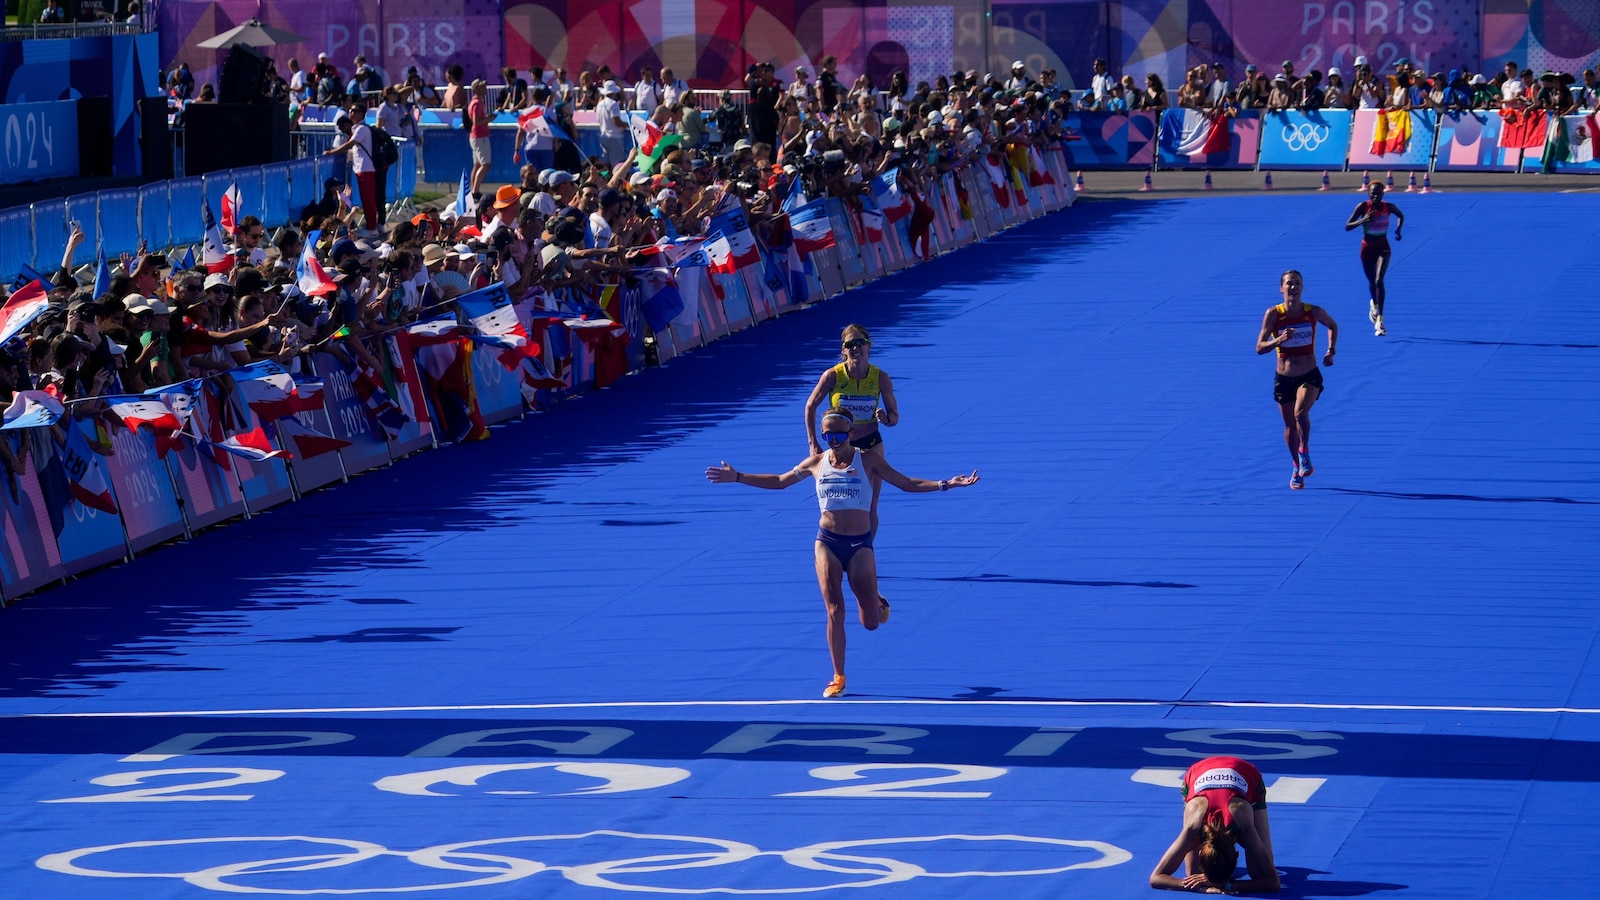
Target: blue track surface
<point>1413,637</point>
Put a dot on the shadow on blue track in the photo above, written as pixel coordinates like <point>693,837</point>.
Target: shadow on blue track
<point>65,642</point>
<point>1400,495</point>
<point>1297,883</point>
<point>988,578</point>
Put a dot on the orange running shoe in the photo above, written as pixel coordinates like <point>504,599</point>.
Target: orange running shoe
<point>835,688</point>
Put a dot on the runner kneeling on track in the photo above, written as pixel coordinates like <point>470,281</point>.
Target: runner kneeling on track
<point>844,536</point>
<point>1224,803</point>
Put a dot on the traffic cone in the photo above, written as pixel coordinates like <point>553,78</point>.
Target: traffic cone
<point>1411,184</point>
<point>1389,181</point>
<point>1427,183</point>
<point>1366,182</point>
<point>1146,181</point>
<point>1207,185</point>
<point>1324,180</point>
<point>1267,185</point>
<point>1080,180</point>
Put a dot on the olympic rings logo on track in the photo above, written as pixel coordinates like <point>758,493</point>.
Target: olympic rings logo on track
<point>482,868</point>
<point>1304,136</point>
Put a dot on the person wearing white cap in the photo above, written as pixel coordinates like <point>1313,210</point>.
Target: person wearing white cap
<point>1336,94</point>
<point>802,89</point>
<point>613,129</point>
<point>1019,77</point>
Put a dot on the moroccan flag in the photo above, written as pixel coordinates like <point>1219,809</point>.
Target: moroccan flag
<point>1522,129</point>
<point>1391,132</point>
<point>813,229</point>
<point>21,308</point>
<point>230,208</point>
<point>86,473</point>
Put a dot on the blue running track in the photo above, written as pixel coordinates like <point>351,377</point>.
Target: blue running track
<point>559,664</point>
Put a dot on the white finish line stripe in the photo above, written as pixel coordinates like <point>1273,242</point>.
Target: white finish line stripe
<point>718,704</point>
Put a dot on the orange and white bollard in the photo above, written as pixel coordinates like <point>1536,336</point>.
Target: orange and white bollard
<point>1146,181</point>
<point>1389,181</point>
<point>1366,182</point>
<point>1427,183</point>
<point>1325,183</point>
<point>1080,180</point>
<point>1411,184</point>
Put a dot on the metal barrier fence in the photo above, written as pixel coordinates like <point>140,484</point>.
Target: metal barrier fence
<point>156,492</point>
<point>167,214</point>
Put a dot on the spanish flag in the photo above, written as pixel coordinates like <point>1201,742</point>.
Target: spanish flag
<point>1391,132</point>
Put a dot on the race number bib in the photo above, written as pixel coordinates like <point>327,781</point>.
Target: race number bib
<point>1299,335</point>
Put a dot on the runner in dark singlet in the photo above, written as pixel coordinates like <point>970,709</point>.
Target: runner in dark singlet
<point>1372,216</point>
<point>845,533</point>
<point>1291,329</point>
<point>1224,804</point>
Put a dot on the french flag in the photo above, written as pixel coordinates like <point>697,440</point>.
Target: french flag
<point>491,312</point>
<point>21,308</point>
<point>270,391</point>
<point>136,410</point>
<point>735,230</point>
<point>308,443</point>
<point>32,409</point>
<point>252,445</point>
<point>230,208</point>
<point>871,218</point>
<point>213,254</point>
<point>813,229</point>
<point>720,253</point>
<point>891,199</point>
<point>88,477</point>
<point>312,278</point>
<point>1199,132</point>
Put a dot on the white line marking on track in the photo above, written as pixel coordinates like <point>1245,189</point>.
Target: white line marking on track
<point>716,704</point>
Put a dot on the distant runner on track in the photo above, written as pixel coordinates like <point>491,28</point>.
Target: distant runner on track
<point>1372,217</point>
<point>845,484</point>
<point>1291,329</point>
<point>1224,804</point>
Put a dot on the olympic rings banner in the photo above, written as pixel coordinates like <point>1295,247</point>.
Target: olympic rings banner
<point>605,859</point>
<point>1316,139</point>
<point>432,391</point>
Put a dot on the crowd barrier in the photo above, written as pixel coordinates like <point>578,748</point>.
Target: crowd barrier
<point>165,214</point>
<point>1334,140</point>
<point>441,382</point>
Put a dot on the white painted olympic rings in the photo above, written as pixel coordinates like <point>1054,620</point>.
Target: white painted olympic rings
<point>1304,136</point>
<point>486,868</point>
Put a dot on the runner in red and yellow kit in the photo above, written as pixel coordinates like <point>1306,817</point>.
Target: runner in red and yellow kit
<point>1291,329</point>
<point>1372,216</point>
<point>1224,804</point>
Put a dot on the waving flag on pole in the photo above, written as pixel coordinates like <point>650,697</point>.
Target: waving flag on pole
<point>535,123</point>
<point>491,312</point>
<point>230,208</point>
<point>212,251</point>
<point>663,302</point>
<point>188,259</point>
<point>466,206</point>
<point>32,409</point>
<point>308,442</point>
<point>21,308</point>
<point>719,253</point>
<point>645,133</point>
<point>997,180</point>
<point>796,199</point>
<point>270,391</point>
<point>313,279</point>
<point>871,219</point>
<point>813,229</point>
<point>102,274</point>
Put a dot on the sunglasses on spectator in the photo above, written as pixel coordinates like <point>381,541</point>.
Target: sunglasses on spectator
<point>856,344</point>
<point>255,234</point>
<point>835,438</point>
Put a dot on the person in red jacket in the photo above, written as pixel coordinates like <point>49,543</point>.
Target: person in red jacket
<point>1224,808</point>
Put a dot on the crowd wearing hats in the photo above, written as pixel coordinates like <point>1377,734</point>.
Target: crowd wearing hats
<point>1360,86</point>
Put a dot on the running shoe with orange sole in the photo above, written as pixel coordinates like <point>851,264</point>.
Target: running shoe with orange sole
<point>835,688</point>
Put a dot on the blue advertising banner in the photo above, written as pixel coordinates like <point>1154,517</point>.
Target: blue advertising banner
<point>210,492</point>
<point>40,141</point>
<point>348,415</point>
<point>150,510</point>
<point>498,390</point>
<point>1110,140</point>
<point>1470,141</point>
<point>1314,139</point>
<point>88,537</point>
<point>311,471</point>
<point>28,555</point>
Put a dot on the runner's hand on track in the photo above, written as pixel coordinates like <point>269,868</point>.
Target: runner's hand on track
<point>964,480</point>
<point>723,474</point>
